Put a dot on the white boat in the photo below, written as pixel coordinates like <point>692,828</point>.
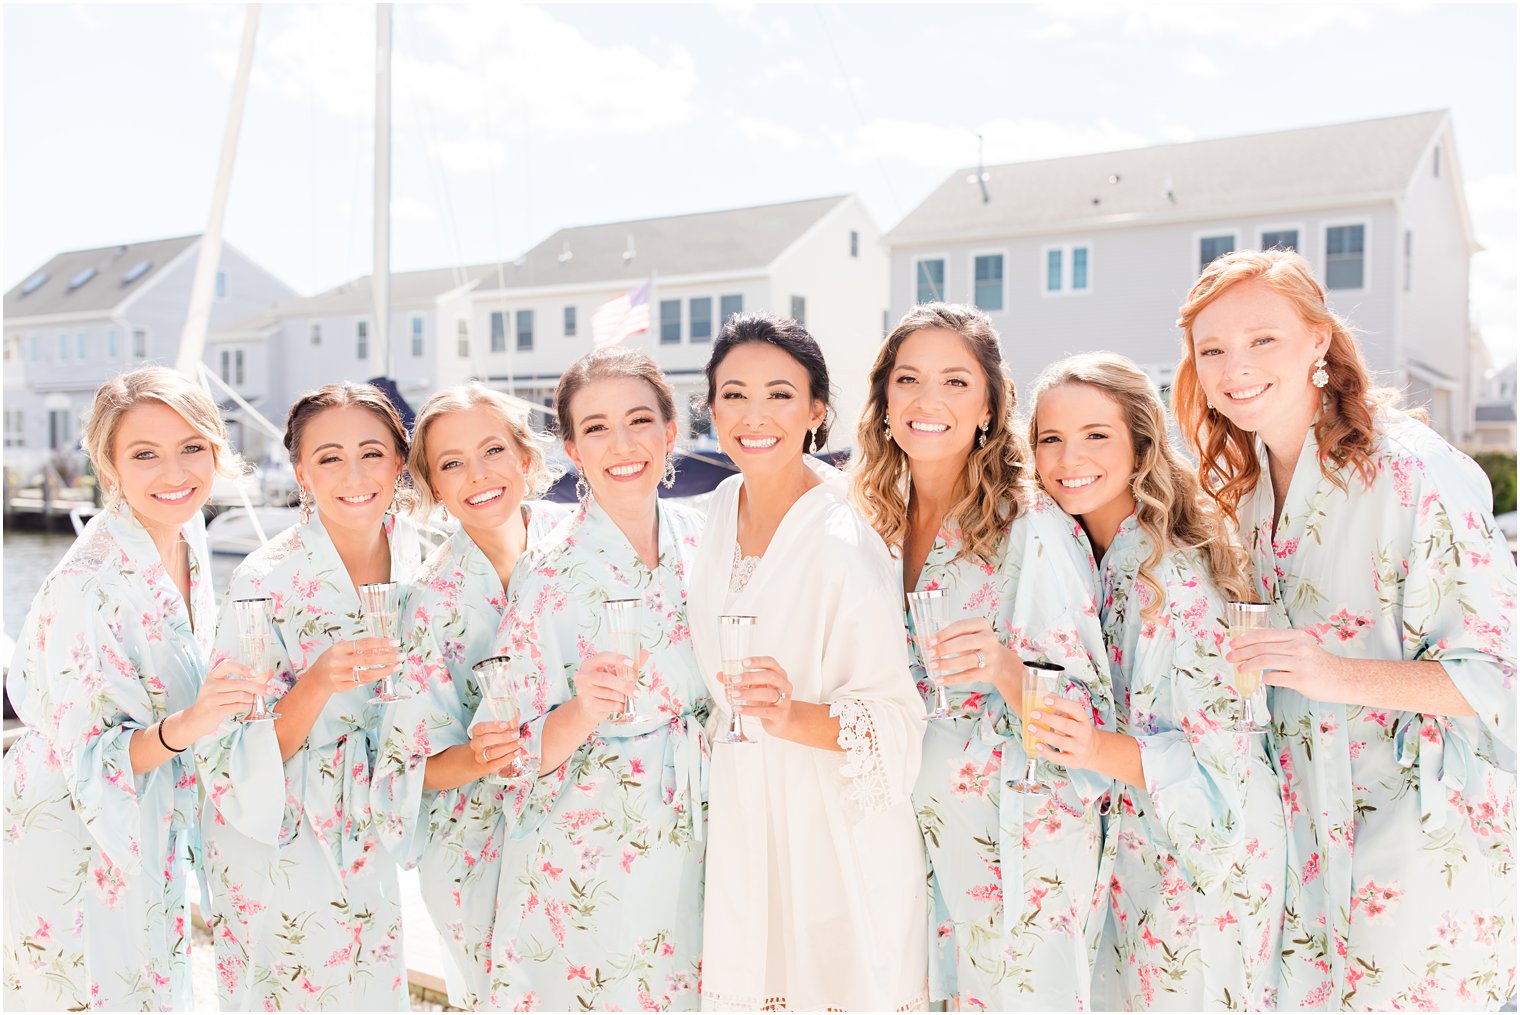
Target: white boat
<point>233,531</point>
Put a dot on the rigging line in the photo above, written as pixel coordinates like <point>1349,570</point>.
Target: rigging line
<point>849,88</point>
<point>485,119</point>
<point>315,56</point>
<point>423,115</point>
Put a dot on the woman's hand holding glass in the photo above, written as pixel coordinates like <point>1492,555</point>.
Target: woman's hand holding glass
<point>764,691</point>
<point>603,685</point>
<point>228,690</point>
<point>1289,658</point>
<point>347,664</point>
<point>1065,732</point>
<point>494,747</point>
<point>969,650</point>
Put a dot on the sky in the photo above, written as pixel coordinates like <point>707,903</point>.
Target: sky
<point>510,122</point>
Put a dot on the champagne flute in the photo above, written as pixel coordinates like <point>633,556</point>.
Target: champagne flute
<point>735,634</point>
<point>625,620</point>
<point>1039,680</point>
<point>499,689</point>
<point>930,611</point>
<point>1243,617</point>
<point>255,619</point>
<point>381,603</point>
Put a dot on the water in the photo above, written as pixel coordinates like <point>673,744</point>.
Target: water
<point>30,556</point>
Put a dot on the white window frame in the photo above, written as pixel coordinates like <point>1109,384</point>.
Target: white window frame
<point>1043,274</point>
<point>1324,253</point>
<point>971,274</point>
<point>132,337</point>
<point>113,344</point>
<point>82,346</point>
<point>219,286</point>
<point>944,259</point>
<point>1195,251</point>
<point>34,347</point>
<point>65,342</point>
<point>1280,227</point>
<point>416,335</point>
<point>363,322</point>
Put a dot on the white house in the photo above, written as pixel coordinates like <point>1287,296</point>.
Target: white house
<point>1098,251</point>
<point>518,325</point>
<point>87,315</point>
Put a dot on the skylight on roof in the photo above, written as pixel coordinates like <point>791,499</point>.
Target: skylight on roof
<point>136,272</point>
<point>34,283</point>
<point>81,278</point>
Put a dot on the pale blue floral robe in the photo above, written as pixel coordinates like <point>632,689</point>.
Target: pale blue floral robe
<point>600,903</point>
<point>305,906</point>
<point>453,837</point>
<point>97,859</point>
<point>1401,887</point>
<point>983,837</point>
<point>1195,899</point>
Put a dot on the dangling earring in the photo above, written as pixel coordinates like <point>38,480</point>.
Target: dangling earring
<point>807,445</point>
<point>396,493</point>
<point>887,422</point>
<point>1321,376</point>
<point>582,488</point>
<point>305,502</point>
<point>118,503</point>
<point>442,511</point>
<point>668,481</point>
<point>981,440</point>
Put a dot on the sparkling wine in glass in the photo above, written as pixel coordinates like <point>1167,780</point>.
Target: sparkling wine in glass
<point>1243,617</point>
<point>381,605</point>
<point>625,621</point>
<point>499,690</point>
<point>255,619</point>
<point>930,611</point>
<point>1040,679</point>
<point>735,635</point>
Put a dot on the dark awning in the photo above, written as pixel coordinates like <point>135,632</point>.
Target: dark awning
<point>697,472</point>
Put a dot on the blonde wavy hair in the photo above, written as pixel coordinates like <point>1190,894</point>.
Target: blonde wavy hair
<point>1171,506</point>
<point>529,443</point>
<point>1228,466</point>
<point>993,486</point>
<point>167,387</point>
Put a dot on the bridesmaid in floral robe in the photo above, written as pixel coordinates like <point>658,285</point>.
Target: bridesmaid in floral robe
<point>1198,836</point>
<point>1393,658</point>
<point>473,454</point>
<point>305,907</point>
<point>110,677</point>
<point>940,476</point>
<point>601,886</point>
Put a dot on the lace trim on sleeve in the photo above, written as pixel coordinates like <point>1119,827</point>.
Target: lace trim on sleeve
<point>869,787</point>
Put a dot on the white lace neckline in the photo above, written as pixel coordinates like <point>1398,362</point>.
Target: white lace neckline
<point>743,569</point>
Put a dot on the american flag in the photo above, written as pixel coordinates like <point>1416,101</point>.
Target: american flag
<point>621,316</point>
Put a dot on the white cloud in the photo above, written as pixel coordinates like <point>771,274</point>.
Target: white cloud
<point>467,77</point>
<point>1253,24</point>
<point>1176,133</point>
<point>758,130</point>
<point>1054,31</point>
<point>792,68</point>
<point>412,209</point>
<point>938,146</point>
<point>1493,206</point>
<point>1199,65</point>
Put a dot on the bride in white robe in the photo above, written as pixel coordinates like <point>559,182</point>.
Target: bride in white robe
<point>815,867</point>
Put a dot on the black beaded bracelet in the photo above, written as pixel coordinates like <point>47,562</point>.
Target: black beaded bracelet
<point>172,750</point>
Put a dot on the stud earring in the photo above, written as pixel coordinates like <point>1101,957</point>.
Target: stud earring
<point>1321,376</point>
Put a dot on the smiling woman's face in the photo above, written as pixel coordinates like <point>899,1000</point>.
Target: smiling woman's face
<point>936,396</point>
<point>619,440</point>
<point>164,464</point>
<point>763,410</point>
<point>350,464</point>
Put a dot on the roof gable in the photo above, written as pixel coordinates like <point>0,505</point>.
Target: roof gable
<point>1313,166</point>
<point>119,272</point>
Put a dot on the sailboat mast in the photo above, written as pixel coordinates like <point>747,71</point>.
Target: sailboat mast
<point>380,287</point>
<point>192,339</point>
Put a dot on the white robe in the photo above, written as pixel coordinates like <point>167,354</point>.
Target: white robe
<point>815,866</point>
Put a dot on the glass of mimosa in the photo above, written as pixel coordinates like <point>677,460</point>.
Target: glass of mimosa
<point>625,621</point>
<point>1243,617</point>
<point>930,611</point>
<point>1040,679</point>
